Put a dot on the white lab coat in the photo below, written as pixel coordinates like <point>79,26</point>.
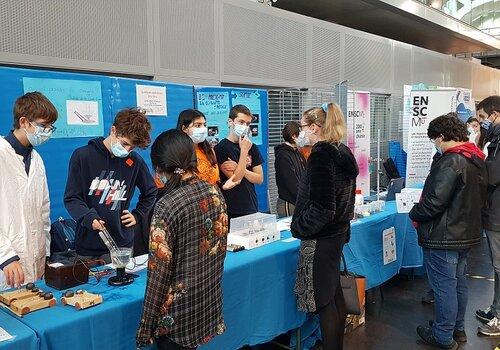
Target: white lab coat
<point>24,213</point>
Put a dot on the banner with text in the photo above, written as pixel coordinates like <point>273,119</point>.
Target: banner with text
<point>358,135</point>
<point>425,107</point>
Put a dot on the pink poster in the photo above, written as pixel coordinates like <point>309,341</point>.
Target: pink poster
<point>358,135</point>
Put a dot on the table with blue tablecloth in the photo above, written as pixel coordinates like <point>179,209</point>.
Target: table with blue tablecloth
<point>23,337</point>
<point>259,302</point>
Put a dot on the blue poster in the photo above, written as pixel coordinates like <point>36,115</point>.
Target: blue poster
<point>78,103</point>
<point>251,99</point>
<point>215,106</point>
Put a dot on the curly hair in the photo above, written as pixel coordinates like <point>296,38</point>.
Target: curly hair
<point>449,127</point>
<point>133,124</point>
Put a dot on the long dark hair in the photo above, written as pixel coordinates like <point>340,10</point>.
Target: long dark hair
<point>186,118</point>
<point>173,151</point>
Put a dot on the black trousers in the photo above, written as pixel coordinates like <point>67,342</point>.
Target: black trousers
<point>164,343</point>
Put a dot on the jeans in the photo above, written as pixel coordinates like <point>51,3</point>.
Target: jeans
<point>494,244</point>
<point>446,272</point>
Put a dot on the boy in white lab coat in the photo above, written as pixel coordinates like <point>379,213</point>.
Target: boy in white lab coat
<point>24,204</point>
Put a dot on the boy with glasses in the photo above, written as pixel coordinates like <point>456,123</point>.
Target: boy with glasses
<point>25,205</point>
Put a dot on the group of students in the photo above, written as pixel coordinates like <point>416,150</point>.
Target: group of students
<point>460,200</point>
<point>182,212</point>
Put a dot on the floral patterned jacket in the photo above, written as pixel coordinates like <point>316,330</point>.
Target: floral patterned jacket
<point>187,246</point>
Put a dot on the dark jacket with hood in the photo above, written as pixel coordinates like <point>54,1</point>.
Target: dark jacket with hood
<point>101,186</point>
<point>491,213</point>
<point>325,203</point>
<point>449,213</point>
<point>289,164</point>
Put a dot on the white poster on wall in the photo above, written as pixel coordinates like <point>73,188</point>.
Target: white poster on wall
<point>82,112</point>
<point>153,99</point>
<point>425,107</point>
<point>358,135</point>
<point>389,245</point>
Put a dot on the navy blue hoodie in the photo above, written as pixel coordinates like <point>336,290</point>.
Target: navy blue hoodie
<point>100,186</point>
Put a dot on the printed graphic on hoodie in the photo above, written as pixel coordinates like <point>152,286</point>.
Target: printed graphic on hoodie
<point>111,191</point>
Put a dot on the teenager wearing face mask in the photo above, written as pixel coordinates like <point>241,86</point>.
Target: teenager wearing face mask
<point>489,110</point>
<point>183,300</point>
<point>449,224</point>
<point>473,129</point>
<point>240,160</point>
<point>289,165</point>
<point>194,124</point>
<point>102,178</point>
<point>322,219</point>
<point>25,205</point>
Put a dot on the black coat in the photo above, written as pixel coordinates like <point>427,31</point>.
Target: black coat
<point>449,213</point>
<point>491,213</point>
<point>325,203</point>
<point>289,164</point>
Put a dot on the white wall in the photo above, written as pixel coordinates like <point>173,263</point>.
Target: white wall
<point>221,41</point>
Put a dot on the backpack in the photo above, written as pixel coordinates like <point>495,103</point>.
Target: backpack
<point>62,235</point>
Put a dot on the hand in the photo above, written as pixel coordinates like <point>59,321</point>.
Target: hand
<point>230,183</point>
<point>98,225</point>
<point>14,274</point>
<point>229,166</point>
<point>128,219</point>
<point>245,144</point>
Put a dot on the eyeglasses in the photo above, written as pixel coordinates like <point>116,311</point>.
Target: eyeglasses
<point>47,129</point>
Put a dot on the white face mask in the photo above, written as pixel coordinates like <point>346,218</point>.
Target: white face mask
<point>39,137</point>
<point>240,130</point>
<point>303,139</point>
<point>199,134</point>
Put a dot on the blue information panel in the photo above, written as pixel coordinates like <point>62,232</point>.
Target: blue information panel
<point>78,102</point>
<point>216,102</point>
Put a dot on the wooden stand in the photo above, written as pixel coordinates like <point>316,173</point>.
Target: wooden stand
<point>26,300</point>
<point>81,299</point>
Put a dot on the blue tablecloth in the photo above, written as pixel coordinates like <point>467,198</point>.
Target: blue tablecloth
<point>259,302</point>
<point>364,252</point>
<point>24,338</point>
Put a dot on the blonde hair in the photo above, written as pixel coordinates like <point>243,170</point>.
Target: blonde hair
<point>332,122</point>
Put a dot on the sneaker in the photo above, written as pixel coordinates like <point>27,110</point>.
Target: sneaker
<point>484,316</point>
<point>426,334</point>
<point>428,298</point>
<point>492,329</point>
<point>459,336</point>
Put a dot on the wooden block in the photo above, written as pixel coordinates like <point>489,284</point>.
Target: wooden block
<point>23,306</point>
<point>82,300</point>
<point>8,297</point>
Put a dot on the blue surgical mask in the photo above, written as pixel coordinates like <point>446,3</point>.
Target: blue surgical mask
<point>199,134</point>
<point>118,150</point>
<point>240,130</point>
<point>39,136</point>
<point>486,124</point>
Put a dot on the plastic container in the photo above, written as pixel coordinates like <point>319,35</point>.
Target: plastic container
<point>254,230</point>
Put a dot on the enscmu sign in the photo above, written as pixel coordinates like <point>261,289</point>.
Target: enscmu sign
<point>419,110</point>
